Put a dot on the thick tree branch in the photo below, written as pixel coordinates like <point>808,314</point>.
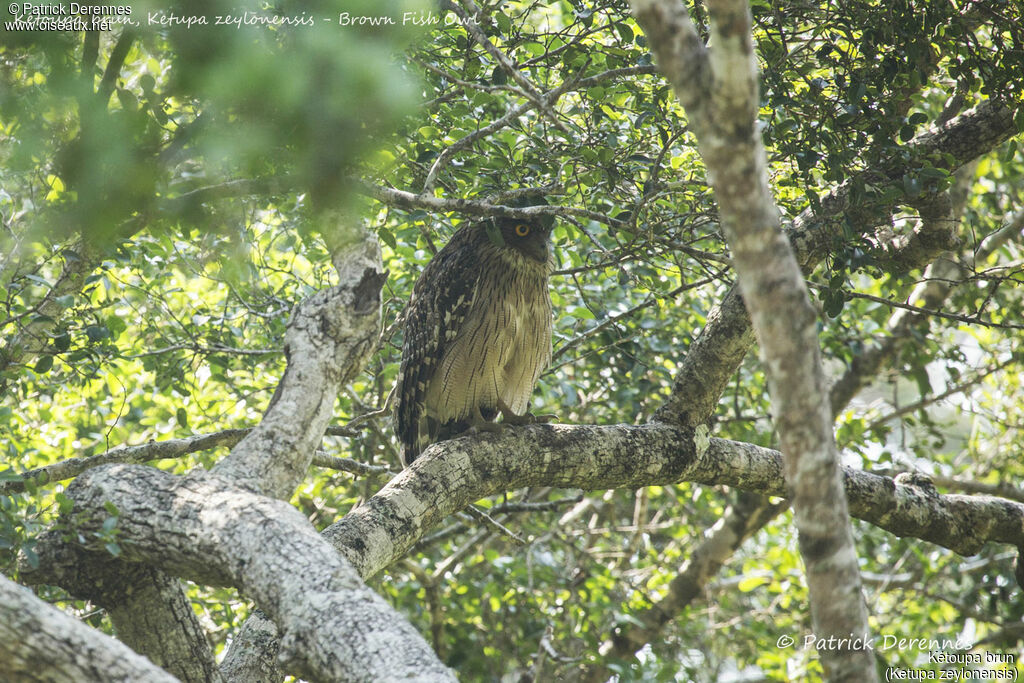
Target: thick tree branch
<point>327,342</point>
<point>148,608</point>
<point>723,115</point>
<point>152,615</point>
<point>62,648</point>
<point>202,528</point>
<point>380,531</point>
<point>330,337</point>
<point>452,474</point>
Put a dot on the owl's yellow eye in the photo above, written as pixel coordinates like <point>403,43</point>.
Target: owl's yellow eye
<point>522,229</point>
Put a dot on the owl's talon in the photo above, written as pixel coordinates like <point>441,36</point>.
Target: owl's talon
<point>511,418</point>
<point>478,423</point>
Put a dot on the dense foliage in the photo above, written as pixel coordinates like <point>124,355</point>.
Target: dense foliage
<point>168,194</point>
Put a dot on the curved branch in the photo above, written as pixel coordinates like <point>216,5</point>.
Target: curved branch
<point>203,528</point>
<point>409,200</point>
<point>61,648</point>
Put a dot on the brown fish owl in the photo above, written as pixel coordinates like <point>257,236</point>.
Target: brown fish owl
<point>477,333</point>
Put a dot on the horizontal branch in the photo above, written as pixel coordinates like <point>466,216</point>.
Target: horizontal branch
<point>930,312</point>
<point>452,474</point>
<point>410,200</point>
<point>173,448</point>
<point>142,453</point>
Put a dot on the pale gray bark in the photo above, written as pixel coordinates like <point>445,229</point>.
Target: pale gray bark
<point>458,472</point>
<point>203,528</point>
<point>151,614</point>
<point>216,528</point>
<point>252,656</point>
<point>38,642</point>
<point>451,475</point>
<point>149,609</point>
<point>719,89</point>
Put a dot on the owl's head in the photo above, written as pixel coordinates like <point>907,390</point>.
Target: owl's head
<point>530,237</point>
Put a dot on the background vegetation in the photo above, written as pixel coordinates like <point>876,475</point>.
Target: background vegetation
<point>169,194</point>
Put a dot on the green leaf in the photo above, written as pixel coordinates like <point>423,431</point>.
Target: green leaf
<point>494,234</point>
<point>387,237</point>
<point>911,185</point>
<point>64,504</point>
<point>751,582</point>
<point>534,48</point>
<point>503,22</point>
<point>96,333</point>
<point>62,341</point>
<point>30,555</point>
<point>43,365</point>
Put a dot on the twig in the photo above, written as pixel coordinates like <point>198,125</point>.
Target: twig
<point>153,450</point>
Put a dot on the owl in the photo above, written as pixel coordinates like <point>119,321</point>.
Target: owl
<point>477,333</point>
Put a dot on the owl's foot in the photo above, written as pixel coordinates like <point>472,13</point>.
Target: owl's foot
<point>512,418</point>
<point>479,423</point>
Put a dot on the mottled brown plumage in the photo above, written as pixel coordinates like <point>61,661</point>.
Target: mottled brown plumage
<point>477,333</point>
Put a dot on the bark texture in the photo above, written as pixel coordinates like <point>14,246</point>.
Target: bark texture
<point>41,643</point>
<point>719,89</point>
<point>203,528</point>
<point>226,528</point>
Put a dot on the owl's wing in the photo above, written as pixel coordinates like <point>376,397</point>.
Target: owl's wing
<point>440,302</point>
